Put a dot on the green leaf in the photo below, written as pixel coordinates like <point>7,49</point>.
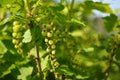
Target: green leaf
<point>75,21</point>
<point>58,7</point>
<point>4,2</point>
<point>77,33</point>
<point>25,72</point>
<point>8,70</point>
<point>27,36</point>
<point>3,49</point>
<point>110,22</point>
<point>64,69</point>
<point>44,63</point>
<point>99,6</point>
<point>90,49</point>
<point>81,77</point>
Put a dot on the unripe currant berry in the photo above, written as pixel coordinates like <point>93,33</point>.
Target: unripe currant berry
<point>38,19</point>
<point>20,44</point>
<point>46,40</point>
<point>48,50</point>
<point>15,41</point>
<point>16,28</point>
<point>15,23</point>
<point>20,50</point>
<point>53,52</point>
<point>56,64</point>
<point>49,26</point>
<point>50,42</point>
<point>16,46</point>
<point>19,35</point>
<point>14,34</point>
<point>51,70</point>
<point>49,34</point>
<point>44,26</point>
<point>44,32</point>
<point>54,28</point>
<point>53,46</point>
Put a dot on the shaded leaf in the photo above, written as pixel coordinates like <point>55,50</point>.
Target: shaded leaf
<point>64,69</point>
<point>110,22</point>
<point>5,72</point>
<point>117,56</point>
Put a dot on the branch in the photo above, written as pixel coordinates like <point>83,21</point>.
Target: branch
<point>38,61</point>
<point>27,7</point>
<point>107,71</point>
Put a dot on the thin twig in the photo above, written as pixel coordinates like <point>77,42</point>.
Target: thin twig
<point>107,71</point>
<point>38,61</point>
<point>63,77</point>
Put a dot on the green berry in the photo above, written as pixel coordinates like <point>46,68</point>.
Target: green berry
<point>16,46</point>
<point>16,28</point>
<point>49,34</point>
<point>15,23</point>
<point>20,51</point>
<point>15,41</point>
<point>20,44</point>
<point>46,40</point>
<point>50,42</point>
<point>38,19</point>
<point>44,32</point>
<point>53,46</point>
<point>49,26</point>
<point>56,64</point>
<point>51,70</point>
<point>53,52</point>
<point>48,50</point>
<point>14,34</point>
<point>19,35</point>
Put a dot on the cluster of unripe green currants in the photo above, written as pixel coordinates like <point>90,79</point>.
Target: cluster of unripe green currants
<point>47,32</point>
<point>17,35</point>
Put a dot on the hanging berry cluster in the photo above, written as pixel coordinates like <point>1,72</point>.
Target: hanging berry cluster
<point>17,36</point>
<point>48,32</point>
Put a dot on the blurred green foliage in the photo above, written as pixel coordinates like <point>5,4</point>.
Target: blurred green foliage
<point>82,52</point>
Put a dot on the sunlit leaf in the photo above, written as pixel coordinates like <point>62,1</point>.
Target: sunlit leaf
<point>81,77</point>
<point>64,69</point>
<point>25,72</point>
<point>3,49</point>
<point>27,36</point>
<point>75,21</point>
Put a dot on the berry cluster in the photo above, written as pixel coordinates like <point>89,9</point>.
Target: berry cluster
<point>47,32</point>
<point>17,35</point>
